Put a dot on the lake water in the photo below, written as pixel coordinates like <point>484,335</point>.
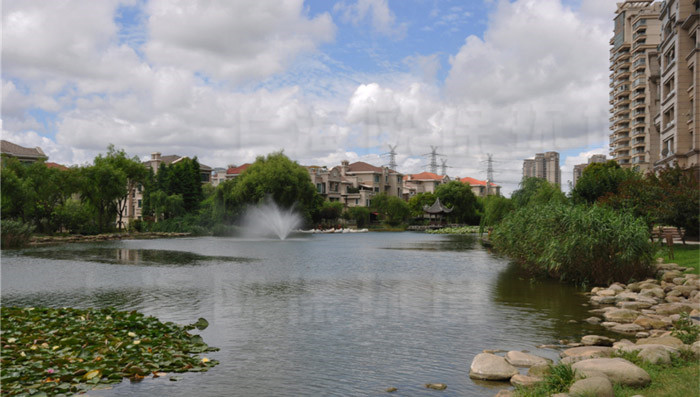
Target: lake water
<point>319,315</point>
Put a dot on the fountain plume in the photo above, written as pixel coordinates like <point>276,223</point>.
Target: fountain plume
<point>269,220</point>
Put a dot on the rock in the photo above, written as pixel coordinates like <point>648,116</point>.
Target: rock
<point>604,300</point>
<point>618,370</point>
<point>595,290</point>
<point>599,386</point>
<point>593,320</point>
<point>606,292</point>
<point>574,344</point>
<point>586,352</point>
<point>436,386</point>
<point>520,359</point>
<point>596,340</point>
<point>684,290</point>
<point>668,266</point>
<point>649,284</point>
<point>487,366</point>
<point>646,299</point>
<point>539,370</point>
<point>617,287</point>
<point>524,380</point>
<point>505,393</point>
<point>641,335</point>
<point>695,348</point>
<point>655,355</point>
<point>654,292</point>
<point>587,373</point>
<point>679,280</point>
<point>560,395</point>
<point>670,275</point>
<point>639,348</point>
<point>494,351</point>
<point>650,322</point>
<point>671,341</point>
<point>626,296</point>
<point>634,287</point>
<point>621,343</point>
<point>627,328</point>
<point>548,346</point>
<point>621,315</point>
<point>634,305</point>
<point>391,390</point>
<point>601,310</point>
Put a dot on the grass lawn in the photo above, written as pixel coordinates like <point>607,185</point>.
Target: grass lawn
<point>688,256</point>
<point>681,379</point>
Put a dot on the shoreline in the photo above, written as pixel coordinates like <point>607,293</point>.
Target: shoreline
<point>35,241</point>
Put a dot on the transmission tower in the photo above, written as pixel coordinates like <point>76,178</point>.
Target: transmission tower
<point>443,166</point>
<point>489,172</point>
<point>433,159</point>
<point>392,157</point>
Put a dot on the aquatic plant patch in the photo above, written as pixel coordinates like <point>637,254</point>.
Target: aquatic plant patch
<point>65,351</point>
<point>455,230</point>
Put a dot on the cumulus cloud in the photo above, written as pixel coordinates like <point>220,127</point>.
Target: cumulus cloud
<point>233,41</point>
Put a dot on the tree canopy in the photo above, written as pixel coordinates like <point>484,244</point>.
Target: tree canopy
<point>459,197</point>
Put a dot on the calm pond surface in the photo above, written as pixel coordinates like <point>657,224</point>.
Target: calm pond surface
<point>349,314</point>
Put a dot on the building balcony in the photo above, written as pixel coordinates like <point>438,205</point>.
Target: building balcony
<point>638,104</point>
<point>638,132</point>
<point>638,94</point>
<point>638,144</point>
<point>623,100</point>
<point>639,82</point>
<point>619,138</point>
<point>620,109</point>
<point>639,34</point>
<point>639,160</point>
<point>621,128</point>
<point>639,24</point>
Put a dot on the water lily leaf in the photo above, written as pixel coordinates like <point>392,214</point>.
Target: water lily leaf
<point>91,374</point>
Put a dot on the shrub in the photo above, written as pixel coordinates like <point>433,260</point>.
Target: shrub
<point>576,243</point>
<point>15,234</point>
<point>685,330</point>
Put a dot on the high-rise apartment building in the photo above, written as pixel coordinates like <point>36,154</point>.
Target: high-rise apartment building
<point>676,121</point>
<point>578,168</point>
<point>545,166</point>
<point>636,36</point>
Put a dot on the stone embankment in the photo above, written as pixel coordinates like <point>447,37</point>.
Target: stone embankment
<point>645,310</point>
<point>78,238</point>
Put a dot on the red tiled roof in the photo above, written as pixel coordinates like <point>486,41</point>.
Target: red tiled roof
<point>237,170</point>
<point>361,166</point>
<point>427,176</point>
<point>57,166</point>
<point>474,182</point>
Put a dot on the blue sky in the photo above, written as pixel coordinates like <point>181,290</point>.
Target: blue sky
<point>323,80</point>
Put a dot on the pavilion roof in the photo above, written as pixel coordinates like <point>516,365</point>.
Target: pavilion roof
<point>437,208</point>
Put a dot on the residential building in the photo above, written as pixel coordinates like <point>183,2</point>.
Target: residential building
<point>329,183</point>
<point>635,40</point>
<point>218,175</point>
<point>578,168</point>
<point>679,140</point>
<point>545,166</point>
<point>23,154</point>
<point>233,171</point>
<point>378,179</point>
<point>482,188</point>
<point>425,182</point>
<point>134,203</point>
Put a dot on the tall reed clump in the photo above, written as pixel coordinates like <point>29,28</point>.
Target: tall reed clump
<point>581,244</point>
<point>14,234</point>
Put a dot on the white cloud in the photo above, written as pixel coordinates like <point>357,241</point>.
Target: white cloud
<point>233,40</point>
<point>382,18</point>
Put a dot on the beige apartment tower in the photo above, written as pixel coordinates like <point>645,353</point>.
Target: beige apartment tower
<point>578,168</point>
<point>675,121</point>
<point>545,166</point>
<point>635,38</point>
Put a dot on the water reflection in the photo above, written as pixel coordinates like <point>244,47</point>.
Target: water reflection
<point>449,242</point>
<point>131,256</point>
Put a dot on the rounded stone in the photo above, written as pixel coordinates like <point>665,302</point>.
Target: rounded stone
<point>524,380</point>
<point>627,328</point>
<point>597,340</point>
<point>655,355</point>
<point>520,359</point>
<point>599,386</point>
<point>621,315</point>
<point>671,341</point>
<point>487,366</point>
<point>618,370</point>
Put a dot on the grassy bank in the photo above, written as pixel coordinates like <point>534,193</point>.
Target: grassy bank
<point>455,230</point>
<point>683,255</point>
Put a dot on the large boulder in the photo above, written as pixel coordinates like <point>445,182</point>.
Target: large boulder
<point>524,380</point>
<point>634,305</point>
<point>627,328</point>
<point>695,348</point>
<point>655,354</point>
<point>673,308</point>
<point>599,386</point>
<point>570,356</point>
<point>621,315</point>
<point>671,341</point>
<point>539,370</point>
<point>656,292</point>
<point>651,322</point>
<point>626,296</point>
<point>488,366</point>
<point>618,370</point>
<point>670,275</point>
<point>520,359</point>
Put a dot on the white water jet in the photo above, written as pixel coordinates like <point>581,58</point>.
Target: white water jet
<point>269,220</point>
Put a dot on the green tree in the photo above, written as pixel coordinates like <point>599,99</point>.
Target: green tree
<point>284,181</point>
<point>134,172</point>
<point>495,209</point>
<point>600,179</point>
<point>102,186</point>
<point>417,202</point>
<point>331,210</point>
<point>533,191</point>
<point>680,199</point>
<point>391,209</point>
<point>461,199</point>
<point>360,215</point>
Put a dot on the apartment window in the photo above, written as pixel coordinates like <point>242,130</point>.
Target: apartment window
<point>398,179</point>
<point>376,189</point>
<point>376,179</point>
<point>386,178</point>
<point>669,86</point>
<point>139,203</point>
<point>669,57</point>
<point>321,188</point>
<point>139,187</point>
<point>691,113</point>
<point>667,147</point>
<point>669,117</point>
<point>357,201</point>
